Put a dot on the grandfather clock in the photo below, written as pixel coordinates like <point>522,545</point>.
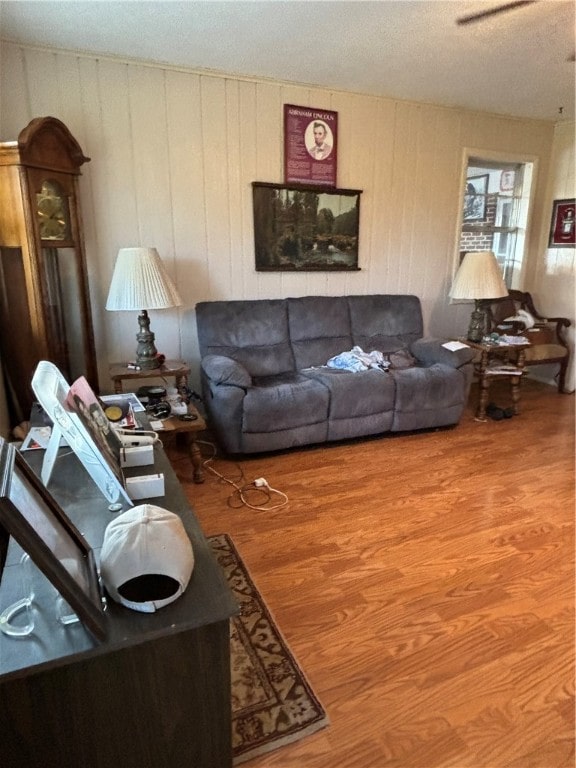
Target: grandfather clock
<point>44,298</point>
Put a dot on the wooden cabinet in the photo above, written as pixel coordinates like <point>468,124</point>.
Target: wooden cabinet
<point>155,693</point>
<point>44,299</point>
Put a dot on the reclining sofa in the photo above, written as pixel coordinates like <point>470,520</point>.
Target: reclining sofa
<point>267,386</point>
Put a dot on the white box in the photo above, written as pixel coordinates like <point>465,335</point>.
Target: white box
<point>137,456</point>
<point>145,486</point>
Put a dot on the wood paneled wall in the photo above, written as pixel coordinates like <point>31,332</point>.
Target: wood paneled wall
<point>552,278</point>
<point>173,157</point>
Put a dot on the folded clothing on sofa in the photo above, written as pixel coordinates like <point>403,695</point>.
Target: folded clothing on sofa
<point>357,360</point>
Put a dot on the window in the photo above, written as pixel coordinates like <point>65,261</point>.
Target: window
<point>495,212</point>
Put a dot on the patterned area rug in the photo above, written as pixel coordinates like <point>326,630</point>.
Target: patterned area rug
<point>272,702</point>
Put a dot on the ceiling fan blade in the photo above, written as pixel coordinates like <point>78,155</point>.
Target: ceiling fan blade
<point>493,11</point>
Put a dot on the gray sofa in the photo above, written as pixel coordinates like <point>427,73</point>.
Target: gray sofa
<point>266,385</point>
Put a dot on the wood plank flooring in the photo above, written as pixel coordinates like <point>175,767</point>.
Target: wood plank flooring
<point>425,583</point>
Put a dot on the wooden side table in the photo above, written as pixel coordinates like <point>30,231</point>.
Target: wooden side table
<point>190,428</point>
<point>175,369</point>
<point>179,371</point>
<point>486,374</point>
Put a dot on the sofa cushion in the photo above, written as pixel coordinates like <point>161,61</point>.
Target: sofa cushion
<point>255,333</point>
<point>430,350</point>
<point>427,397</point>
<point>363,393</point>
<point>319,329</point>
<point>401,359</point>
<point>385,323</point>
<point>284,402</point>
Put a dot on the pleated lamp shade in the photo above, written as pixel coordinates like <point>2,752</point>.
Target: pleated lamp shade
<point>140,281</point>
<point>479,277</point>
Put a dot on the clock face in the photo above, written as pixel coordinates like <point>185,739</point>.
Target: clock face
<point>52,211</point>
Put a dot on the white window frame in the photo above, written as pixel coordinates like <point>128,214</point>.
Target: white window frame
<point>526,202</point>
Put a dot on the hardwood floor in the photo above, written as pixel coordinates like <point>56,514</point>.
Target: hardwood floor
<point>425,583</point>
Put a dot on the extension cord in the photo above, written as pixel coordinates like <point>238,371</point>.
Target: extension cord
<point>259,483</point>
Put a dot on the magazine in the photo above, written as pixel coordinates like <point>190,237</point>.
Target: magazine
<point>130,397</point>
<point>82,401</point>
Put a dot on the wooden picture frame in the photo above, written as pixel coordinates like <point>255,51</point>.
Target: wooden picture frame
<point>562,224</point>
<point>475,198</point>
<point>303,228</point>
<point>30,514</point>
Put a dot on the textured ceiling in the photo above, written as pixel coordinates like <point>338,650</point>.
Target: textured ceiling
<point>514,63</point>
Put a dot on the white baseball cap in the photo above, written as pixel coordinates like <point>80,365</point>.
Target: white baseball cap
<point>146,559</point>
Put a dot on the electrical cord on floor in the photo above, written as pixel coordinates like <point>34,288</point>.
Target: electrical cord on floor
<point>259,486</point>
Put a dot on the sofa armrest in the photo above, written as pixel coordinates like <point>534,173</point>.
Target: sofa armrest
<point>224,370</point>
<point>429,351</point>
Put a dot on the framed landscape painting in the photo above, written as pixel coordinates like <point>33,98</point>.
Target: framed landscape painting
<point>305,228</point>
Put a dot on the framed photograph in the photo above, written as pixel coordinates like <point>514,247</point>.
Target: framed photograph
<point>30,514</point>
<point>475,198</point>
<point>310,145</point>
<point>304,228</point>
<point>562,233</point>
<point>507,180</point>
<point>81,400</point>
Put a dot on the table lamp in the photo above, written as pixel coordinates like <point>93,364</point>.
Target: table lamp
<point>140,280</point>
<point>479,278</point>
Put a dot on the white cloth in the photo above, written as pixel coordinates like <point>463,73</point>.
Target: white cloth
<point>522,316</point>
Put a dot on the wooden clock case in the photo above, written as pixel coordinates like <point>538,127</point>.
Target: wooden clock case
<point>44,297</point>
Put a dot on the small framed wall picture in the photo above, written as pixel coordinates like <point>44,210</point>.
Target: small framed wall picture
<point>562,226</point>
<point>507,180</point>
<point>475,198</point>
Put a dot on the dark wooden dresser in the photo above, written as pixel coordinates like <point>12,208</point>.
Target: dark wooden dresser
<point>154,694</point>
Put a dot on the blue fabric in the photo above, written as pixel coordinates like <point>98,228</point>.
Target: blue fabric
<point>357,360</point>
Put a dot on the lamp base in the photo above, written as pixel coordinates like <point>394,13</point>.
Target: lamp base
<point>146,352</point>
<point>477,327</point>
<point>146,364</point>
